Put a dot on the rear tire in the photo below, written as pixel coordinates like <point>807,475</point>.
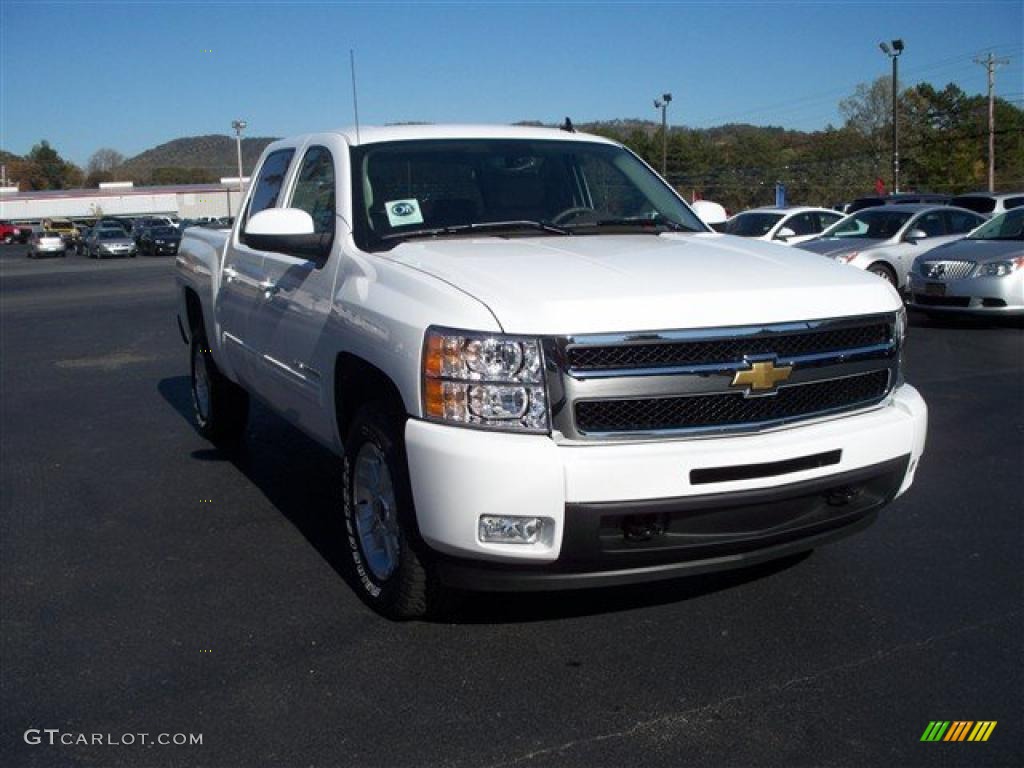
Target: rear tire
<point>390,561</point>
<point>220,407</point>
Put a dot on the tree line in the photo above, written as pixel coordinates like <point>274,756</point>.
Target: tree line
<point>943,148</point>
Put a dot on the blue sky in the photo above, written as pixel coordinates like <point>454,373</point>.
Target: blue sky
<point>130,75</point>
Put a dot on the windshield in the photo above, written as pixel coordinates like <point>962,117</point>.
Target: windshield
<point>751,224</point>
<point>111,234</point>
<point>165,232</point>
<point>871,224</point>
<point>1006,226</point>
<point>497,186</point>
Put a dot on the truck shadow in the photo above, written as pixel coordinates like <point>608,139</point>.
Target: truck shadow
<point>301,478</point>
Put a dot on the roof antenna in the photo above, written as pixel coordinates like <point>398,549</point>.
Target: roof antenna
<point>567,126</point>
<point>355,98</point>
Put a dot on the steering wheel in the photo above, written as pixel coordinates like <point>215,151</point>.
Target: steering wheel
<point>564,217</point>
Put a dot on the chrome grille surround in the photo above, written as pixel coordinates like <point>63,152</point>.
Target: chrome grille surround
<point>571,385</point>
<point>946,269</point>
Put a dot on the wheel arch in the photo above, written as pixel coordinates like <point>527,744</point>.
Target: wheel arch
<point>357,382</point>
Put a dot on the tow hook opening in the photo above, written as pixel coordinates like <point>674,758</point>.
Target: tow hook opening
<point>642,527</point>
<point>841,496</point>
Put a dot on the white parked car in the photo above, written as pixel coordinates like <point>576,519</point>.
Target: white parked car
<point>47,243</point>
<point>782,225</point>
<point>538,367</point>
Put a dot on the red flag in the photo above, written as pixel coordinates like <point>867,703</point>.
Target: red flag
<point>879,186</point>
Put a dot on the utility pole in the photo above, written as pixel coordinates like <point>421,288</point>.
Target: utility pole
<point>991,63</point>
<point>894,54</point>
<point>662,104</point>
<point>239,126</point>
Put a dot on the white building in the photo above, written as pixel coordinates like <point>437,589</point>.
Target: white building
<point>122,199</point>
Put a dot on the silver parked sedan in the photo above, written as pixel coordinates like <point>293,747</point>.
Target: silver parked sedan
<point>885,240</point>
<point>981,274</point>
<point>110,242</point>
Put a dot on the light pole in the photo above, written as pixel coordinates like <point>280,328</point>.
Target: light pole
<point>239,126</point>
<point>894,54</point>
<point>662,104</point>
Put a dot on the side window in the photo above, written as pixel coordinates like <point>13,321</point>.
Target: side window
<point>1013,202</point>
<point>314,189</point>
<point>801,224</point>
<point>268,183</point>
<point>931,223</point>
<point>826,220</point>
<point>959,223</point>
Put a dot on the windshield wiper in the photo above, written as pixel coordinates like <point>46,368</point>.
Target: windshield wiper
<point>480,226</point>
<point>644,222</point>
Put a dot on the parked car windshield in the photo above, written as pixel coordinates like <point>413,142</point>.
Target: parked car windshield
<point>443,187</point>
<point>872,224</point>
<point>1006,226</point>
<point>751,224</point>
<point>165,232</point>
<point>111,234</point>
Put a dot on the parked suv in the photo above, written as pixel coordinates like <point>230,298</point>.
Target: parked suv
<point>989,204</point>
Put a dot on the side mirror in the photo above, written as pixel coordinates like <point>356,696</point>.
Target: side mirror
<point>287,230</point>
<point>784,234</point>
<point>914,235</point>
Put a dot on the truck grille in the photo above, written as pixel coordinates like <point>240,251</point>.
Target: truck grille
<point>703,352</point>
<point>652,385</point>
<point>730,409</point>
<point>946,270</point>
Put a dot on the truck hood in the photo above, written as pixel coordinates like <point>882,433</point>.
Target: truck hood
<point>626,283</point>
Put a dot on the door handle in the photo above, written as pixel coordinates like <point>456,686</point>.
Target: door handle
<point>230,275</point>
<point>269,289</point>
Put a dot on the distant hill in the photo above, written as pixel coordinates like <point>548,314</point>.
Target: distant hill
<point>192,159</point>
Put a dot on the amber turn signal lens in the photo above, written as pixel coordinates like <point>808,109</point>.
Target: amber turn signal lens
<point>433,398</point>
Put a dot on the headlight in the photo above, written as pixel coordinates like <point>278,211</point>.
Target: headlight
<point>999,268</point>
<point>484,380</point>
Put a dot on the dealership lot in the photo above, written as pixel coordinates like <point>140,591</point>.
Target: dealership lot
<point>151,584</point>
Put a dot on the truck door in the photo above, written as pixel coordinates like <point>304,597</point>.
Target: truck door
<point>242,282</point>
<point>289,325</point>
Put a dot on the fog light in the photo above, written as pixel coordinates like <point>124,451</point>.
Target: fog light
<point>512,529</point>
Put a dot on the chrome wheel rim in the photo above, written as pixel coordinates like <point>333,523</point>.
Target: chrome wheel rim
<point>201,386</point>
<point>376,519</point>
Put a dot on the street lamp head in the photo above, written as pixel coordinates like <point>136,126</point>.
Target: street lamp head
<point>666,97</point>
<point>658,104</point>
<point>897,45</point>
<point>238,125</point>
<point>885,48</point>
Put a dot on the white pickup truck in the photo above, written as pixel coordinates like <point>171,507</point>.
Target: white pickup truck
<point>539,368</point>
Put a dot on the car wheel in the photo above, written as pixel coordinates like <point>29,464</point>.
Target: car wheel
<point>383,544</point>
<point>220,406</point>
<point>883,271</point>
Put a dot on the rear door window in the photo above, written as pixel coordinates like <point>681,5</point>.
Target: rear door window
<point>960,222</point>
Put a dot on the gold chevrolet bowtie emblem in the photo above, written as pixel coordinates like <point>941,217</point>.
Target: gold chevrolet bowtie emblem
<point>761,376</point>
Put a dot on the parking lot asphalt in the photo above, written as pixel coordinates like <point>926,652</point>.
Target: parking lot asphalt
<point>151,584</point>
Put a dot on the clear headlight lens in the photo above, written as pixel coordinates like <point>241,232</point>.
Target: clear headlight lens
<point>485,380</point>
<point>999,268</point>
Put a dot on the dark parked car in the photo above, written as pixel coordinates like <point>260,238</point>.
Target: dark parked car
<point>159,241</point>
<point>897,199</point>
<point>141,225</point>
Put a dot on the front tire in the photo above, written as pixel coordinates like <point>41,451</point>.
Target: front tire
<point>220,407</point>
<point>388,557</point>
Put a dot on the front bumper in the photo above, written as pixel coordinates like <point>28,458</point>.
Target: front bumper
<point>597,495</point>
<point>973,295</point>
